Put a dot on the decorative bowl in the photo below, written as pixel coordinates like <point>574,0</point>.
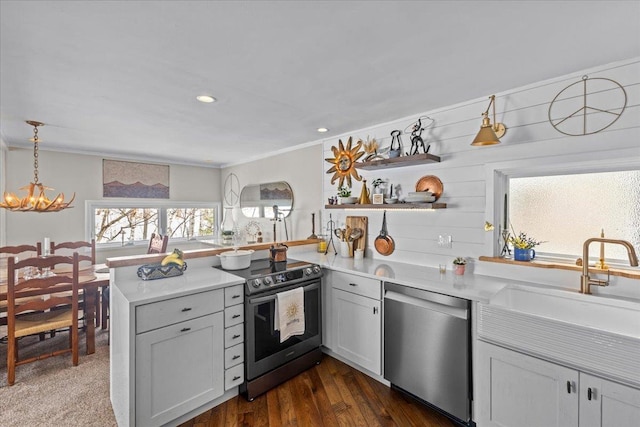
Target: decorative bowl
<point>348,200</point>
<point>391,200</point>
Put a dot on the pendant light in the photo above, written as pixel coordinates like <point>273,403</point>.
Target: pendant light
<point>36,200</point>
<point>489,134</point>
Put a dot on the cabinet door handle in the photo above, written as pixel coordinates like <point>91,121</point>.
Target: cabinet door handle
<point>353,284</point>
<point>186,309</point>
<point>235,296</point>
<point>375,310</point>
<point>589,394</point>
<point>569,387</point>
<point>236,336</point>
<point>236,378</point>
<point>185,329</point>
<point>235,316</point>
<point>237,356</point>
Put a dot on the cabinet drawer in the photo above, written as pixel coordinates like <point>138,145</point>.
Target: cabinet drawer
<point>233,377</point>
<point>167,312</point>
<point>233,335</point>
<point>233,315</point>
<point>357,284</point>
<point>233,355</point>
<point>233,295</point>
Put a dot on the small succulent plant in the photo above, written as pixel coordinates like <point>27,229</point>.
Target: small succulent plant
<point>344,191</point>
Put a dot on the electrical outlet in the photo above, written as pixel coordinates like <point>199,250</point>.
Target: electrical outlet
<point>444,241</point>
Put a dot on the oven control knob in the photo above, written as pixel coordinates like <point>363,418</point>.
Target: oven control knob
<point>256,283</point>
<point>267,280</point>
<point>316,269</point>
<point>308,271</point>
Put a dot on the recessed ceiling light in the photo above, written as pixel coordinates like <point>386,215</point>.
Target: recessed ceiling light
<point>322,130</point>
<point>205,98</point>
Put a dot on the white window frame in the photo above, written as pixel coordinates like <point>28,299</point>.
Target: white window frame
<point>92,205</point>
<point>497,177</point>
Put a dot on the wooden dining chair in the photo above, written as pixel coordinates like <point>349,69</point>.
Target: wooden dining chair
<point>53,310</point>
<point>88,257</point>
<point>22,251</point>
<point>158,244</point>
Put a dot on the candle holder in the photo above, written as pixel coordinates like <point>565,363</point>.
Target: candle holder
<point>506,251</point>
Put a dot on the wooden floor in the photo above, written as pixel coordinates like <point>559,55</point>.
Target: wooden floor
<point>329,394</point>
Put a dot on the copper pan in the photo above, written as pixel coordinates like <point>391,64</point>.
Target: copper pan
<point>384,243</point>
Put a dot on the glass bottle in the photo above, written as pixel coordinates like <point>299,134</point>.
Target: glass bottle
<point>227,225</point>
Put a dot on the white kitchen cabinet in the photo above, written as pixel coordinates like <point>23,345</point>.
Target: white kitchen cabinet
<point>233,336</point>
<point>355,325</point>
<point>515,389</point>
<point>178,368</point>
<point>168,355</point>
<point>604,403</point>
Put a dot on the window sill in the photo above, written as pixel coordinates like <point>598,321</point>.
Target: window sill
<point>630,274</point>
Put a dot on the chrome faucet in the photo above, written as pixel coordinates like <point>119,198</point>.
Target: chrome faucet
<point>585,280</point>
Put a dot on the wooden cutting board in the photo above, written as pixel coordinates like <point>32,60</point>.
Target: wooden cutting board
<point>358,222</point>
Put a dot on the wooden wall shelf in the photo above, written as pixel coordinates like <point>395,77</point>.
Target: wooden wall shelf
<point>396,206</point>
<point>399,161</point>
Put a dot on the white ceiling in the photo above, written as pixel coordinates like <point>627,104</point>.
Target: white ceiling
<point>119,79</point>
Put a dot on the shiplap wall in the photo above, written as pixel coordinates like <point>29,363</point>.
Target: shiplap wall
<point>466,171</point>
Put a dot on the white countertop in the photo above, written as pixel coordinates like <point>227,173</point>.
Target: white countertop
<point>469,286</point>
<point>199,277</point>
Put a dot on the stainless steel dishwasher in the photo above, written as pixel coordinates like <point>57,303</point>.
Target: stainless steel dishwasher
<point>427,347</point>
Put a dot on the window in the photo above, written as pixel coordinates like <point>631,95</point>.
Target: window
<point>565,210</point>
<point>131,223</point>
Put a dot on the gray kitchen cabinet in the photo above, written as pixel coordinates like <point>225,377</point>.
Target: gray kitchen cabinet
<point>520,390</point>
<point>172,356</point>
<point>178,368</point>
<point>233,336</point>
<point>354,325</point>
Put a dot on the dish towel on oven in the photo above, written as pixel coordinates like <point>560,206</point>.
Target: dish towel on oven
<point>289,313</point>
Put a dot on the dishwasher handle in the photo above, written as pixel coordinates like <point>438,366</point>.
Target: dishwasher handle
<point>452,310</point>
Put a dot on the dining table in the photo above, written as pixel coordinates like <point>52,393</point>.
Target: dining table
<point>92,279</point>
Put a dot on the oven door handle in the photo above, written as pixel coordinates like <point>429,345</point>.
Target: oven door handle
<point>272,297</point>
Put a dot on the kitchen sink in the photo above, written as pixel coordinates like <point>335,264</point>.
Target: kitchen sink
<point>607,314</point>
<point>595,334</point>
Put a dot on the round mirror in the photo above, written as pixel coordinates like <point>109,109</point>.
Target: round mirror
<point>266,200</point>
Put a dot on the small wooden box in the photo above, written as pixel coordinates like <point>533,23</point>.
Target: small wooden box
<point>378,199</point>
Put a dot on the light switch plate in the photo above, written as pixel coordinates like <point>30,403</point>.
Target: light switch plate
<point>444,241</point>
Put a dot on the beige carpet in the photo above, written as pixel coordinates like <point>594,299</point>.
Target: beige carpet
<point>53,391</point>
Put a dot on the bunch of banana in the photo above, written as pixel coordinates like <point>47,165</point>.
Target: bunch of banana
<point>174,258</point>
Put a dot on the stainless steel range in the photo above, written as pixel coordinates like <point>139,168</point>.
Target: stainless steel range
<point>269,362</point>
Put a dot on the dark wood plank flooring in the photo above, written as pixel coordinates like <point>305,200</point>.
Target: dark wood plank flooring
<point>329,394</point>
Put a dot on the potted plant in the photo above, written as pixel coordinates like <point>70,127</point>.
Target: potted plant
<point>523,246</point>
<point>459,264</point>
<point>344,193</point>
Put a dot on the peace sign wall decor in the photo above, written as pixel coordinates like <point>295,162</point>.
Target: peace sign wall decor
<point>587,106</point>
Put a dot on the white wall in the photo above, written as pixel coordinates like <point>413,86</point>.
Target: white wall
<point>82,174</point>
<point>301,168</point>
<point>468,173</point>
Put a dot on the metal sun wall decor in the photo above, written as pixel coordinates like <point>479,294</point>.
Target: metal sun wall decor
<point>587,106</point>
<point>131,179</point>
<point>344,162</point>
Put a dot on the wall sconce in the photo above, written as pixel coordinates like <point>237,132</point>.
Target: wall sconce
<point>490,134</point>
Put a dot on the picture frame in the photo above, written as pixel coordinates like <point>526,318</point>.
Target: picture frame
<point>377,199</point>
<point>134,180</point>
